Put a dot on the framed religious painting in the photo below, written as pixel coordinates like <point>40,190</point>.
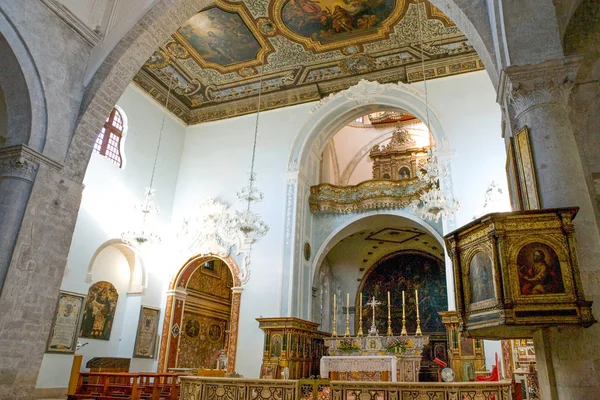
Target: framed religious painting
<point>514,187</point>
<point>526,170</point>
<point>67,317</point>
<point>145,338</point>
<point>99,313</point>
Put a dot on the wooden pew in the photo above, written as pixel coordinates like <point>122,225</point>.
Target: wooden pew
<point>127,386</point>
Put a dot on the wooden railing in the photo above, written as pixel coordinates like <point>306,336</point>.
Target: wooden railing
<point>124,385</point>
<point>202,388</point>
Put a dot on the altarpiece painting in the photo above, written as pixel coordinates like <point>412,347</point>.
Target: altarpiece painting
<point>100,307</point>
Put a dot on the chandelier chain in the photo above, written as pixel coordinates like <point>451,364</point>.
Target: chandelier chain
<point>423,67</point>
<point>162,126</point>
<point>250,184</point>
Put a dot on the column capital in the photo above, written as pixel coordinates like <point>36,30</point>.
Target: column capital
<point>22,162</point>
<point>524,87</point>
<point>178,294</point>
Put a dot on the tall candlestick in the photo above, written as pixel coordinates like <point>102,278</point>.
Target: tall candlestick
<point>389,330</point>
<point>347,332</point>
<point>334,330</point>
<point>360,329</point>
<point>418,332</point>
<point>417,301</point>
<point>403,305</point>
<point>403,332</point>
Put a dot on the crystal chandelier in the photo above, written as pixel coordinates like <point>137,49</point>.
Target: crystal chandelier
<point>147,211</point>
<point>435,202</point>
<point>250,225</point>
<point>215,229</point>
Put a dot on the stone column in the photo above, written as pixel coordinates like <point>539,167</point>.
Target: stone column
<point>537,96</point>
<point>17,173</point>
<point>37,247</point>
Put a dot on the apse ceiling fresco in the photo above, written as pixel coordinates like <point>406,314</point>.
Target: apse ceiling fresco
<point>307,50</point>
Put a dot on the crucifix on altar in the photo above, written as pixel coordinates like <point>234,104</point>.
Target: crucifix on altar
<point>373,303</point>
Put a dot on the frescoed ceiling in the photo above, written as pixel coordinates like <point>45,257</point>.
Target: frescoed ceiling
<point>307,50</point>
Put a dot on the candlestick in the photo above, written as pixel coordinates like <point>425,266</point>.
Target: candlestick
<point>333,328</point>
<point>418,332</point>
<point>347,332</point>
<point>403,332</point>
<point>360,329</point>
<point>389,330</point>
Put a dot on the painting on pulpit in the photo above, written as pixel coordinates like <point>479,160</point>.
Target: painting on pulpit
<point>407,271</point>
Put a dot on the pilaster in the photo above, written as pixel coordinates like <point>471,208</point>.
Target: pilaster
<point>537,96</point>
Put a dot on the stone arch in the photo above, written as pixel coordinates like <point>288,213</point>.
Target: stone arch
<point>331,113</point>
<point>174,311</point>
<point>22,90</point>
<point>128,56</point>
<point>139,275</point>
<point>352,226</point>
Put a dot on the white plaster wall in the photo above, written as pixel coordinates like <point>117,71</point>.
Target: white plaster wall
<point>215,163</point>
<point>93,13</point>
<point>466,106</point>
<point>107,205</point>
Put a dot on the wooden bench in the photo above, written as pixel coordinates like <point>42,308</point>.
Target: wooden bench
<point>126,386</point>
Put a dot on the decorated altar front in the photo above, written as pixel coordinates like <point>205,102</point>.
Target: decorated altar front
<point>373,358</point>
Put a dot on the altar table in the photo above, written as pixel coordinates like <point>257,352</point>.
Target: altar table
<point>359,368</point>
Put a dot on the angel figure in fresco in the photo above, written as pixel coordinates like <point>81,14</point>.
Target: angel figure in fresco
<point>342,20</point>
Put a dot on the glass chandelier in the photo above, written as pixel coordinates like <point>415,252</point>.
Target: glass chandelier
<point>147,211</point>
<point>250,225</point>
<point>435,202</point>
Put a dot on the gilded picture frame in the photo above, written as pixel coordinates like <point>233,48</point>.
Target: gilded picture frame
<point>146,334</point>
<point>513,179</point>
<point>65,324</point>
<point>526,170</point>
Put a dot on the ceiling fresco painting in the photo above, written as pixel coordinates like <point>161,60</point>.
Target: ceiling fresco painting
<point>328,21</point>
<point>219,37</point>
<point>306,49</point>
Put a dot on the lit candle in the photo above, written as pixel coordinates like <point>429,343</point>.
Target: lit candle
<point>417,301</point>
<point>389,306</point>
<point>403,305</point>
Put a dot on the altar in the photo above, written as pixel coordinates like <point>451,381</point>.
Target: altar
<point>374,357</point>
<point>359,368</point>
<point>346,356</point>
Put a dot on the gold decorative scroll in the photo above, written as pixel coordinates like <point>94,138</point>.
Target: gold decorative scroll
<point>364,196</point>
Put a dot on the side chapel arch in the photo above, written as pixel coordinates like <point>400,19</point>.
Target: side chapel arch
<point>175,305</point>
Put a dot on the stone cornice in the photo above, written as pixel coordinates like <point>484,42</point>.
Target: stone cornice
<point>528,86</point>
<point>22,162</point>
<point>86,33</point>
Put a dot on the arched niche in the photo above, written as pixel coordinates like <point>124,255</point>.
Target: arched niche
<point>173,324</point>
<point>138,281</point>
<point>368,220</point>
<point>23,93</point>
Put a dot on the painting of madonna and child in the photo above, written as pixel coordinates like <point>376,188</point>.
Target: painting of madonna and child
<point>331,20</point>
